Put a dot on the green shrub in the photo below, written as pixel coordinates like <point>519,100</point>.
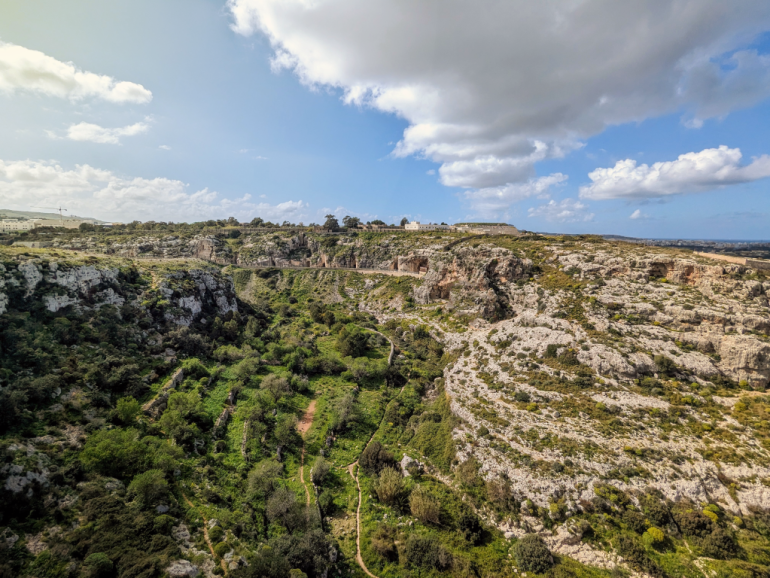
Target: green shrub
<point>389,486</point>
<point>634,520</point>
<point>424,506</point>
<point>664,365</point>
<point>352,341</point>
<point>693,523</point>
<point>321,469</point>
<point>98,564</point>
<point>216,534</point>
<point>194,368</point>
<point>148,487</point>
<point>532,555</point>
<point>636,556</point>
<point>127,409</point>
<point>719,544</point>
<point>117,453</point>
<point>468,523</point>
<point>375,458</point>
<point>654,536</point>
<point>383,542</point>
<point>326,502</point>
<point>426,552</point>
<point>221,549</point>
<point>163,523</point>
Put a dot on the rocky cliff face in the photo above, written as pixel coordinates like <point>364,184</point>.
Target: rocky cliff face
<point>60,284</point>
<point>608,368</point>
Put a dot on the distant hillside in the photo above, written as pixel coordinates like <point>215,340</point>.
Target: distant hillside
<point>9,214</point>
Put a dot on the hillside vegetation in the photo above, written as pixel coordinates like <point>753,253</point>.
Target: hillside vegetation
<point>555,407</point>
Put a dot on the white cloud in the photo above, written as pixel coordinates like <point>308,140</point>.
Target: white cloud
<point>637,214</point>
<point>489,90</point>
<point>690,173</point>
<point>564,211</point>
<point>165,147</point>
<point>86,131</point>
<point>86,190</point>
<point>495,200</point>
<point>22,69</point>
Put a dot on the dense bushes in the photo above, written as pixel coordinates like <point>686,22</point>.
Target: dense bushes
<point>424,506</point>
<point>636,556</point>
<point>308,552</point>
<point>121,453</point>
<point>532,555</point>
<point>352,341</point>
<point>427,552</point>
<point>389,486</point>
<point>375,458</point>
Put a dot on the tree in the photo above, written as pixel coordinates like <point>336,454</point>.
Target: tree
<point>248,368</point>
<point>344,411</point>
<point>127,409</point>
<point>283,508</point>
<point>117,452</point>
<point>276,386</point>
<point>468,523</point>
<point>98,563</point>
<point>331,223</point>
<point>389,486</point>
<point>263,479</point>
<point>532,555</point>
<point>148,487</point>
<point>256,222</point>
<point>351,222</point>
<point>321,469</point>
<point>378,222</point>
<point>424,506</point>
<point>286,430</point>
<point>404,221</point>
<point>352,341</point>
<point>427,552</point>
<point>375,457</point>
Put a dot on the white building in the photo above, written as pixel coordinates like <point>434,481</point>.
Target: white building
<point>418,226</point>
<point>7,225</point>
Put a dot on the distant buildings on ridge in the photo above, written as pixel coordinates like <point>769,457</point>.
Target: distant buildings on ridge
<point>478,228</point>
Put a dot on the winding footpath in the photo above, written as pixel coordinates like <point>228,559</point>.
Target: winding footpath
<point>353,468</point>
<point>302,427</point>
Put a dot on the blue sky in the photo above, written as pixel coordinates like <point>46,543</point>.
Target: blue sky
<point>284,111</point>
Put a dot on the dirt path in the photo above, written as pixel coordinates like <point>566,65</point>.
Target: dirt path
<point>302,427</point>
<point>359,559</point>
<point>222,563</point>
<point>307,419</point>
<point>351,468</point>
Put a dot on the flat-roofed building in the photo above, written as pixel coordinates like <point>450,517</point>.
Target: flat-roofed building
<point>487,228</point>
<point>66,223</point>
<point>418,226</point>
<point>9,225</point>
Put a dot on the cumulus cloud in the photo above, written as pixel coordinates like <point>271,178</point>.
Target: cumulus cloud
<point>637,214</point>
<point>86,131</point>
<point>490,89</point>
<point>106,195</point>
<point>564,211</point>
<point>495,200</point>
<point>690,173</point>
<point>22,69</point>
